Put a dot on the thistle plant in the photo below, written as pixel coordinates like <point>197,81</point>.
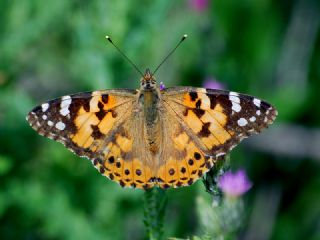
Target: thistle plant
<point>222,218</point>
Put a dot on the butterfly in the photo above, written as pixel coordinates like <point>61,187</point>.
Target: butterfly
<point>165,137</point>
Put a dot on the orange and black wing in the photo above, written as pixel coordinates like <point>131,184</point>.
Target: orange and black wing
<point>203,126</point>
<point>94,125</point>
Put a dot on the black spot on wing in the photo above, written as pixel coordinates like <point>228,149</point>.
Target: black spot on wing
<point>193,96</point>
<point>114,114</point>
<point>105,98</point>
<point>171,172</point>
<point>96,134</point>
<point>198,104</point>
<point>100,105</point>
<point>100,115</point>
<point>205,132</point>
<point>138,172</point>
<point>197,156</point>
<point>80,100</point>
<point>198,112</point>
<point>213,100</point>
<point>111,159</point>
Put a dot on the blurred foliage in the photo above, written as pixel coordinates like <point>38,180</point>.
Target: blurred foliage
<point>52,48</point>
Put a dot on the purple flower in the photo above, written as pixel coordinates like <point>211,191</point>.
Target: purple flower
<point>213,84</point>
<point>234,184</point>
<point>162,86</point>
<point>199,5</point>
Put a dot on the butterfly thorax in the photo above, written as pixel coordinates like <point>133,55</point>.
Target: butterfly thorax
<point>149,103</point>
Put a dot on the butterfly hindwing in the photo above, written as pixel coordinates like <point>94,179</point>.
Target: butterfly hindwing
<point>126,159</point>
<point>182,162</point>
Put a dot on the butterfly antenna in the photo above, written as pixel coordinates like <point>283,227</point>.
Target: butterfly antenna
<point>170,53</point>
<point>125,56</point>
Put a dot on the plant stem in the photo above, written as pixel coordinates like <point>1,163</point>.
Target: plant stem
<point>155,202</point>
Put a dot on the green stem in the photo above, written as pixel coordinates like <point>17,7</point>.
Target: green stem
<point>155,202</point>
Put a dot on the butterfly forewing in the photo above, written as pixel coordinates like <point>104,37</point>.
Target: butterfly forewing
<point>218,119</point>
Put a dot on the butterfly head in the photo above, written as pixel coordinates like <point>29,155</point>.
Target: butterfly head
<point>148,82</point>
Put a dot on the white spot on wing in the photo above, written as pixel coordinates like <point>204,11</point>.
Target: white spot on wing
<point>60,125</point>
<point>44,117</point>
<point>242,122</point>
<point>236,107</point>
<point>64,111</point>
<point>234,94</point>
<point>234,98</point>
<point>50,123</point>
<point>205,101</point>
<point>45,107</point>
<point>258,112</point>
<point>65,103</point>
<point>252,119</point>
<point>257,102</point>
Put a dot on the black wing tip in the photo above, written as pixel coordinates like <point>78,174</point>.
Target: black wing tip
<point>35,109</point>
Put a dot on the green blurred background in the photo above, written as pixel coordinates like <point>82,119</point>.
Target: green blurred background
<point>265,48</point>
